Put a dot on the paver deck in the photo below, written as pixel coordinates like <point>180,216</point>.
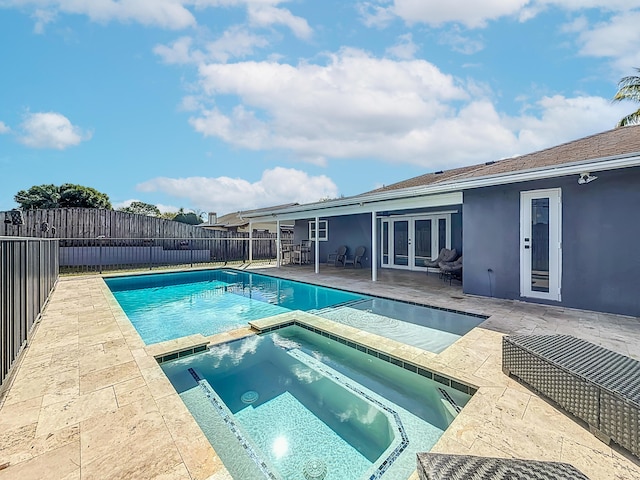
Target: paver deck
<point>90,401</point>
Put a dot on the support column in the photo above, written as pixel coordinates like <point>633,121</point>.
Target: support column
<point>278,244</point>
<point>374,248</point>
<point>317,246</point>
<point>250,242</point>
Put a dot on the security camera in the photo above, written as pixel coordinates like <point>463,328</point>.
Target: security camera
<point>586,177</point>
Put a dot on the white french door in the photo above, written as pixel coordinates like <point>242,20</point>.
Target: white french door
<point>541,244</point>
<point>408,241</point>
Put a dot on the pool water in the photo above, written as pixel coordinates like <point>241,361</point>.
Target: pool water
<point>171,305</point>
<point>292,404</point>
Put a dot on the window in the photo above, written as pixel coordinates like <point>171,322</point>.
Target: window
<point>323,231</point>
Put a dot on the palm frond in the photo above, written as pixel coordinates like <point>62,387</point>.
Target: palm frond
<point>631,119</point>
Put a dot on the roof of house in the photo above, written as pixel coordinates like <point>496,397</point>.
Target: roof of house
<point>612,143</point>
<point>617,148</point>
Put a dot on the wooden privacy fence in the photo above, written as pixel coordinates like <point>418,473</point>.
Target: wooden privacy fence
<point>96,222</point>
<point>28,273</point>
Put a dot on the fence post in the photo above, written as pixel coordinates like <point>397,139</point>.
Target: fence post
<point>191,252</point>
<point>151,255</point>
<point>100,255</point>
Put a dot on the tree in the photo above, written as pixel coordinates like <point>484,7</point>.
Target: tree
<point>629,89</point>
<point>65,196</point>
<point>83,197</point>
<point>38,196</point>
<point>142,208</point>
<point>189,218</point>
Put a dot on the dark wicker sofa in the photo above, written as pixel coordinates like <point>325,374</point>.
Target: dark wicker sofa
<point>440,466</point>
<point>597,385</point>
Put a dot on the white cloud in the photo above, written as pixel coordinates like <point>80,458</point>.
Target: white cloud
<point>375,15</point>
<point>4,128</point>
<point>617,38</point>
<point>357,106</point>
<point>267,15</point>
<point>171,14</point>
<point>42,18</point>
<point>459,42</point>
<point>163,208</point>
<point>471,13</point>
<point>405,49</point>
<point>557,119</point>
<point>179,52</point>
<point>50,130</point>
<point>223,194</point>
<point>474,14</point>
<point>236,42</point>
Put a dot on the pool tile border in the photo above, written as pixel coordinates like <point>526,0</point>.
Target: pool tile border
<point>407,365</point>
<point>181,353</point>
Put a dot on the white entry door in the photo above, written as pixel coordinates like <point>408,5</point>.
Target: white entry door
<point>541,244</point>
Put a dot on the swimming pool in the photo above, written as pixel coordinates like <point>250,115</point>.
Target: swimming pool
<point>293,404</point>
<point>165,306</point>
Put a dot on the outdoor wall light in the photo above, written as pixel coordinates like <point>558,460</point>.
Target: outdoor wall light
<point>586,177</point>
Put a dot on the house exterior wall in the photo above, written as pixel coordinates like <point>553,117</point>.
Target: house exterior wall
<point>355,230</point>
<point>600,238</point>
<point>352,231</point>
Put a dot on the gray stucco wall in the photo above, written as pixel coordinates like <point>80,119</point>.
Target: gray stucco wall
<point>352,231</point>
<point>600,235</point>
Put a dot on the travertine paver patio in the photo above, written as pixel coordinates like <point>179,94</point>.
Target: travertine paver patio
<point>90,401</point>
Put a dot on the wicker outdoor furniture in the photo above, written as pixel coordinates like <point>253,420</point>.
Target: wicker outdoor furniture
<point>596,385</point>
<point>440,466</point>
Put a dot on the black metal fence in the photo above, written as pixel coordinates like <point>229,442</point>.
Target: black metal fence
<point>100,255</point>
<point>28,272</point>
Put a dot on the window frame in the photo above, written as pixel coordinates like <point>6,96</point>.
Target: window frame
<point>322,237</point>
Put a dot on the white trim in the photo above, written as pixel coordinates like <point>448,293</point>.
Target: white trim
<point>430,201</point>
<point>316,222</point>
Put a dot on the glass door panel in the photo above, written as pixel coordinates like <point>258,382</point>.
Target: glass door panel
<point>422,242</point>
<point>540,245</point>
<point>401,242</point>
<point>385,243</point>
<point>442,237</point>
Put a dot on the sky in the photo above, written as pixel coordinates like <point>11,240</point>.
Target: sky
<point>227,105</point>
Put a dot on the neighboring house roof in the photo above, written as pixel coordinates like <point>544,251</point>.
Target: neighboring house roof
<point>237,220</point>
<point>617,148</point>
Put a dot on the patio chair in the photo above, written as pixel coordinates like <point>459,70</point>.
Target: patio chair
<point>445,255</point>
<point>450,270</point>
<point>339,256</point>
<point>442,466</point>
<point>357,257</point>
